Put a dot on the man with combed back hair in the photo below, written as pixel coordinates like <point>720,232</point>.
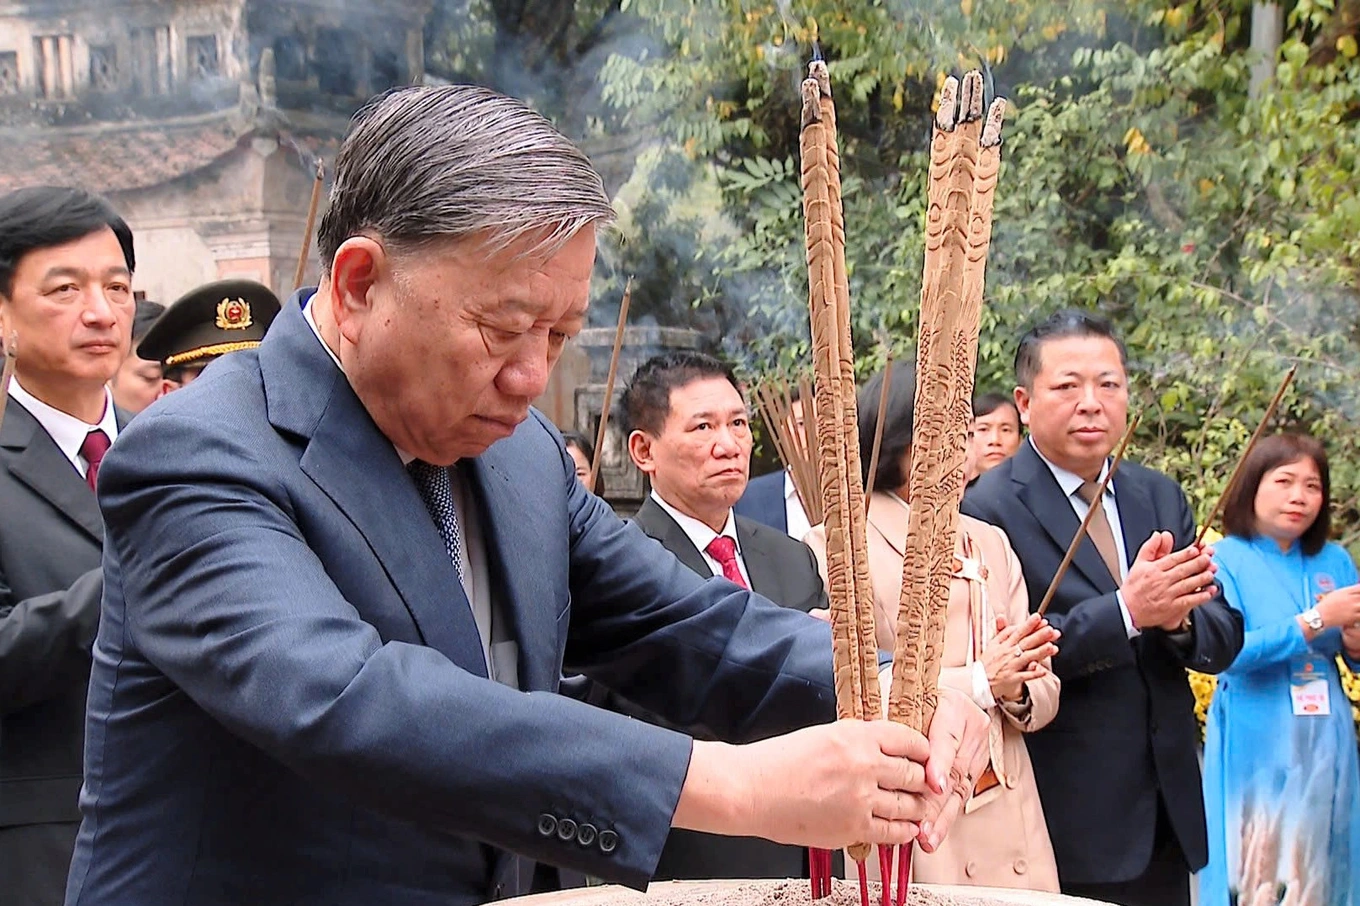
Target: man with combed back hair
<point>66,303</point>
<point>344,572</point>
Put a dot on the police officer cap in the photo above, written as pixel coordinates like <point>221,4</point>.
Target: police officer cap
<point>212,320</point>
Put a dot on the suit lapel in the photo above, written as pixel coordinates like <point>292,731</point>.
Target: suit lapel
<point>657,523</point>
<point>360,471</point>
<point>766,577</point>
<point>1041,494</point>
<point>35,459</point>
<point>1136,517</point>
<point>524,593</point>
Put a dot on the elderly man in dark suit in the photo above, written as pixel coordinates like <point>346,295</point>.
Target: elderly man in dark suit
<point>1117,769</point>
<point>343,572</point>
<point>66,305</point>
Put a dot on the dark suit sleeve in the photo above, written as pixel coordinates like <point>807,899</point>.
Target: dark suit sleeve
<point>818,598</point>
<point>1216,627</point>
<point>1094,637</point>
<point>45,640</point>
<point>225,597</point>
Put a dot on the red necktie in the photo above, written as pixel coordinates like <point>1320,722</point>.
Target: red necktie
<point>93,449</point>
<point>724,550</point>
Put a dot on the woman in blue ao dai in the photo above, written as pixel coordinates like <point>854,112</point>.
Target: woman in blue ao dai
<point>1281,779</point>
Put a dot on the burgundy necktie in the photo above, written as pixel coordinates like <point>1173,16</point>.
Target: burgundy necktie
<point>94,447</point>
<point>724,550</point>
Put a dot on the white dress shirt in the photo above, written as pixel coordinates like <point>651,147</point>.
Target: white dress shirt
<point>499,648</point>
<point>795,517</point>
<point>66,431</point>
<point>701,536</point>
<point>1070,482</point>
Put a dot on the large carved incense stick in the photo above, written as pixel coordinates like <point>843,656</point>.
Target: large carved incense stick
<point>1090,513</point>
<point>849,412</point>
<point>1256,435</point>
<point>850,686</point>
<point>301,269</point>
<point>958,231</point>
<point>7,372</point>
<point>609,387</point>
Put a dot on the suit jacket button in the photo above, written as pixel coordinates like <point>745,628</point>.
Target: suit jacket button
<point>609,841</point>
<point>566,830</point>
<point>586,834</point>
<point>1021,866</point>
<point>547,825</point>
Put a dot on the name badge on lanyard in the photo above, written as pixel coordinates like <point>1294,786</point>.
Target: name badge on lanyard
<point>1309,691</point>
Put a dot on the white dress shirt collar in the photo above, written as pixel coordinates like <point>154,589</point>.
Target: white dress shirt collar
<point>699,534</point>
<point>1070,482</point>
<point>67,431</point>
<point>796,522</point>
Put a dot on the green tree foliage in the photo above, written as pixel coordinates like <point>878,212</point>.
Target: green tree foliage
<point>1221,232</point>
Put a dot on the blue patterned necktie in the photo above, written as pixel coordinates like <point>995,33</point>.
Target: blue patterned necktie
<point>435,485</point>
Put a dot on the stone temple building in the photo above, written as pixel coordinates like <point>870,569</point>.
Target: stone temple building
<point>200,119</point>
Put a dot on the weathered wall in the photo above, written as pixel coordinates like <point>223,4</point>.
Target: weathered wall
<point>240,217</point>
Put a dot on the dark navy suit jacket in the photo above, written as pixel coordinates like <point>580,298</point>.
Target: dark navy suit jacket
<point>1126,730</point>
<point>289,704</point>
<point>763,501</point>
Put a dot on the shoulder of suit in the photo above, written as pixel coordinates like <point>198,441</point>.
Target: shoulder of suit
<point>770,538</point>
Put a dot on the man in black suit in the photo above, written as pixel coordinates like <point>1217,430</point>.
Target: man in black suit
<point>66,303</point>
<point>1117,769</point>
<point>689,432</point>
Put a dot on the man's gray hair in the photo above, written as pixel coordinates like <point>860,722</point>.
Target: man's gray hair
<point>449,162</point>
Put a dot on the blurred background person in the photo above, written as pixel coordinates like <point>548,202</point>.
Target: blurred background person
<point>994,435</point>
<point>771,499</point>
<point>138,381</point>
<point>1281,775</point>
<point>994,652</point>
<point>206,323</point>
<point>583,454</point>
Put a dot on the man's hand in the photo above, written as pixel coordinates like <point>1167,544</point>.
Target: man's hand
<point>1015,655</point>
<point>1163,585</point>
<point>958,756</point>
<point>829,786</point>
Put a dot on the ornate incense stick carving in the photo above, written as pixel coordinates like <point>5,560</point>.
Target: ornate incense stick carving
<point>962,180</point>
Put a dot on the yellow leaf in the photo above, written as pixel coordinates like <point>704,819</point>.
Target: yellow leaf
<point>1347,46</point>
<point>778,40</point>
<point>966,6</point>
<point>898,99</point>
<point>812,27</point>
<point>996,54</point>
<point>1135,142</point>
<point>1175,17</point>
<point>1206,186</point>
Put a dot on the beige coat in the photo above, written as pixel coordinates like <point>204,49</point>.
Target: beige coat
<point>1001,839</point>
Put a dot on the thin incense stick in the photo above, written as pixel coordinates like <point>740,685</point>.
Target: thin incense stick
<point>609,387</point>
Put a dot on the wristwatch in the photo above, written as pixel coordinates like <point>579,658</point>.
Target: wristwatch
<point>1312,619</point>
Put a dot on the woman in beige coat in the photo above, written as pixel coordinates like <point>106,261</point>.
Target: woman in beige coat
<point>994,651</point>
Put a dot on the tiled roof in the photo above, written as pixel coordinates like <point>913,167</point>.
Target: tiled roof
<point>129,156</point>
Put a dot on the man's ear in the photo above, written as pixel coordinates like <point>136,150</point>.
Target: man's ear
<point>640,451</point>
<point>358,265</point>
<point>1022,404</point>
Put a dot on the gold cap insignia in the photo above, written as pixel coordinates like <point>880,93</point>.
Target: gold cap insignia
<point>233,314</point>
